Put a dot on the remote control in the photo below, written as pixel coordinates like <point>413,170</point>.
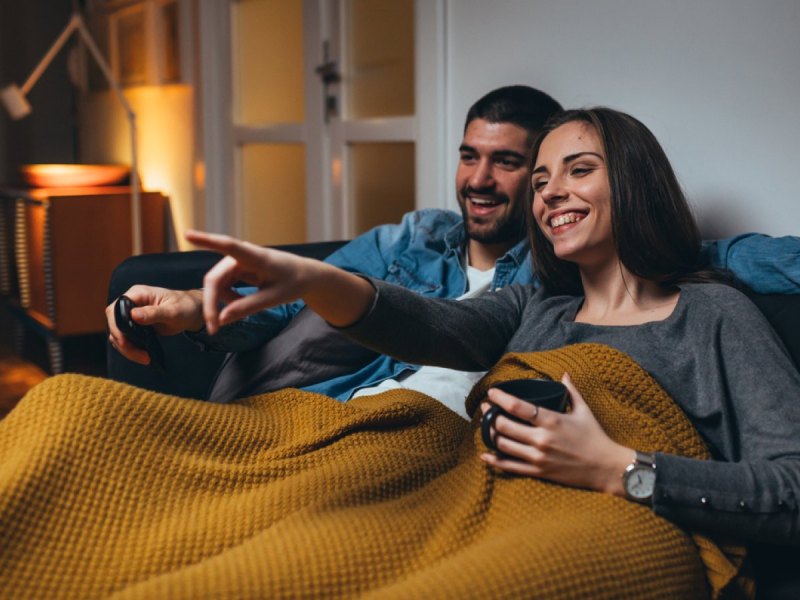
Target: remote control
<point>143,336</point>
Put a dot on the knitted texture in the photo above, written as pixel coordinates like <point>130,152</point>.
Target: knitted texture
<point>111,491</point>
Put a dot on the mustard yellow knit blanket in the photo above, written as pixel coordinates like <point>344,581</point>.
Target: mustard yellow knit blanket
<point>111,491</point>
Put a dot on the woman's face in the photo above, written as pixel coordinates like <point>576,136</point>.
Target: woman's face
<point>572,196</point>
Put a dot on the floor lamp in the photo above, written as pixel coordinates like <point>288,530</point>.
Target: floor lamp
<point>15,101</point>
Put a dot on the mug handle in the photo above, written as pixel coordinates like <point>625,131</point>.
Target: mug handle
<point>486,426</point>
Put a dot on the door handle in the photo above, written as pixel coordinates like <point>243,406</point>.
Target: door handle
<point>329,74</point>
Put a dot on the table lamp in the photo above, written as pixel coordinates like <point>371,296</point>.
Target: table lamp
<point>15,101</point>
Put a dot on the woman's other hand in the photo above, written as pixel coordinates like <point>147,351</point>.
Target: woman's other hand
<point>571,449</point>
<point>336,295</point>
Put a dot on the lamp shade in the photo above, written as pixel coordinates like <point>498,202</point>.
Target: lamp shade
<point>15,102</point>
<point>72,175</point>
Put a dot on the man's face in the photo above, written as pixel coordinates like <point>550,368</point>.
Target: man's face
<point>493,181</point>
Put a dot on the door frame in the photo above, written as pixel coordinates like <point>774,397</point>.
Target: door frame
<point>325,207</point>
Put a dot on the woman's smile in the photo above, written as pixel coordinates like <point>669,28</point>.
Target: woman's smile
<point>561,222</point>
<point>572,196</point>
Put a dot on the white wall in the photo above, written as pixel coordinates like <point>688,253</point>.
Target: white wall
<point>718,82</point>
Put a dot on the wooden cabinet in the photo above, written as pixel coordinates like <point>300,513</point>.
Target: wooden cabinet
<point>66,243</point>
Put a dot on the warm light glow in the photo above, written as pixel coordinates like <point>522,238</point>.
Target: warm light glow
<point>200,175</point>
<point>70,175</point>
<point>336,171</point>
<point>167,148</point>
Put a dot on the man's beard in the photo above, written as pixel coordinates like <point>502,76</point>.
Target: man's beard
<point>508,228</point>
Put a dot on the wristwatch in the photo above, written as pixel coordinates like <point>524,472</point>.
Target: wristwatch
<point>639,478</point>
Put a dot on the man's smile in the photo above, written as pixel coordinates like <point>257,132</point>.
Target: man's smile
<point>482,205</point>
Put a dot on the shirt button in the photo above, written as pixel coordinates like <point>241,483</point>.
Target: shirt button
<point>742,505</point>
<point>704,501</point>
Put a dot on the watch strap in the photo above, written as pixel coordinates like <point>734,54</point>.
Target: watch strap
<point>645,458</point>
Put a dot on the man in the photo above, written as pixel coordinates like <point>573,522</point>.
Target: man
<point>434,252</point>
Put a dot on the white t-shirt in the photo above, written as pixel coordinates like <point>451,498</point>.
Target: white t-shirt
<point>448,386</point>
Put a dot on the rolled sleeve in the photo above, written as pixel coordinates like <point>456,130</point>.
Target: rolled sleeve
<point>767,265</point>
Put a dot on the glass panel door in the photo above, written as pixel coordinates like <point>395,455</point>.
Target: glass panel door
<point>313,110</point>
<point>268,95</point>
<point>268,61</point>
<point>382,183</point>
<point>273,192</point>
<point>381,52</point>
<point>377,133</point>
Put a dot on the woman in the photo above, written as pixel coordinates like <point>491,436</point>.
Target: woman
<point>617,250</point>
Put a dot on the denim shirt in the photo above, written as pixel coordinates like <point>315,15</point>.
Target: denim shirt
<point>425,253</point>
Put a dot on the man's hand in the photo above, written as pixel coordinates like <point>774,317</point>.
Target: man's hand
<point>169,311</point>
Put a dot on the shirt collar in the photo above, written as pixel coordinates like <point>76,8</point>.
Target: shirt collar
<point>456,239</point>
<point>519,252</point>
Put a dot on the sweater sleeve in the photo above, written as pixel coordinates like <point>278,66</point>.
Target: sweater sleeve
<point>468,335</point>
<point>752,488</point>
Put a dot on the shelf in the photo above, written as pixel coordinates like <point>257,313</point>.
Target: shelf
<point>64,245</point>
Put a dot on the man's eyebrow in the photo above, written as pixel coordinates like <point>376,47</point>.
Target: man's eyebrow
<point>495,153</point>
<point>569,158</point>
<point>510,153</point>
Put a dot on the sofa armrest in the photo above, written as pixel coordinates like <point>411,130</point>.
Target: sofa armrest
<point>190,371</point>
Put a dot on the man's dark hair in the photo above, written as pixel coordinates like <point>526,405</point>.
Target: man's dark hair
<point>654,230</point>
<point>518,104</point>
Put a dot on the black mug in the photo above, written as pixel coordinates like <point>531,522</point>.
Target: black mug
<point>545,393</point>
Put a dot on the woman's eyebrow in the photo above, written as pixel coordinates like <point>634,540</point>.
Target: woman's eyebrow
<point>572,157</point>
<point>568,159</point>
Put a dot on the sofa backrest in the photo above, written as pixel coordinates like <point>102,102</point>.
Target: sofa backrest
<point>185,270</point>
<point>783,313</point>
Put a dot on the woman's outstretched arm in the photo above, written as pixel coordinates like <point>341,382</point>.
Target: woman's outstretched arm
<point>467,335</point>
<point>339,297</point>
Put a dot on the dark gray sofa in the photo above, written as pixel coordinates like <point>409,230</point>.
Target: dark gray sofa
<point>191,372</point>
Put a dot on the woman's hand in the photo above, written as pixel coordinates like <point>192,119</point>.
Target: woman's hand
<point>336,295</point>
<point>571,448</point>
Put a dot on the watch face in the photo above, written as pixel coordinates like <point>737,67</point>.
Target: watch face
<point>640,482</point>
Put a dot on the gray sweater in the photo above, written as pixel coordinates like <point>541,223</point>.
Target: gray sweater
<point>716,355</point>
